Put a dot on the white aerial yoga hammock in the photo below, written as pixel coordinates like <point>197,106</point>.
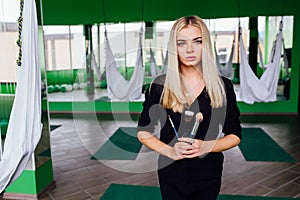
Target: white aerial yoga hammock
<point>226,70</point>
<point>260,58</point>
<point>155,70</point>
<point>24,128</point>
<point>153,65</point>
<point>286,61</point>
<point>117,87</point>
<point>94,65</point>
<point>263,89</point>
<point>164,61</point>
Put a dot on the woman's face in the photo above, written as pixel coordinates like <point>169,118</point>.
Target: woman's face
<point>189,46</point>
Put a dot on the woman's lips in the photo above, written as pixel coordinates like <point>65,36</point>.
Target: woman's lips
<point>190,58</point>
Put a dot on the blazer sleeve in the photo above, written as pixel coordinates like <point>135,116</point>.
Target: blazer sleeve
<point>232,124</point>
<point>151,107</point>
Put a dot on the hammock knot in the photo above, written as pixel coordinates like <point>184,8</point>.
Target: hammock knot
<point>19,41</point>
<point>281,25</point>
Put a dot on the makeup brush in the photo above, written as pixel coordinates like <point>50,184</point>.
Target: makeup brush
<point>199,118</point>
<point>172,124</point>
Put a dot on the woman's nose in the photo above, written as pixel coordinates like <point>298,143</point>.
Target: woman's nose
<point>189,48</point>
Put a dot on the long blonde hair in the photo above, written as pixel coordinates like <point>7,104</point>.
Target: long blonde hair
<point>173,96</point>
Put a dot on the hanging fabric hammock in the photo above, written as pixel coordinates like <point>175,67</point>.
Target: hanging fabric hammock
<point>286,60</point>
<point>153,65</point>
<point>24,128</point>
<point>263,89</point>
<point>226,70</point>
<point>94,65</point>
<point>155,70</point>
<point>164,61</point>
<point>117,87</point>
<point>260,58</point>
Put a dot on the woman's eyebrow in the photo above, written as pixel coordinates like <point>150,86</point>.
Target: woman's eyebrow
<point>183,40</point>
<point>193,39</point>
<point>197,38</point>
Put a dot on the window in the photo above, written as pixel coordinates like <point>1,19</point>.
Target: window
<point>9,51</point>
<point>223,32</point>
<point>64,47</point>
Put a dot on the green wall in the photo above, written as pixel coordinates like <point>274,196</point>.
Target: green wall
<point>72,12</point>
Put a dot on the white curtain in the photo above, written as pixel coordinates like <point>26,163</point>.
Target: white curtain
<point>117,87</point>
<point>24,128</point>
<point>263,89</point>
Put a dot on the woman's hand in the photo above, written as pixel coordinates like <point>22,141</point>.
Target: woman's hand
<point>180,149</point>
<point>175,154</point>
<point>191,148</point>
<point>186,148</point>
<point>195,148</point>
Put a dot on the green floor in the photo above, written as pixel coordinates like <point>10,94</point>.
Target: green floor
<point>256,145</point>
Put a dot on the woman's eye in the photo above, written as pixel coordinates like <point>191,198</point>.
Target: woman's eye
<point>198,42</point>
<point>181,44</point>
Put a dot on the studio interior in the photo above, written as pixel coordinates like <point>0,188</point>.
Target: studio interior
<point>73,77</point>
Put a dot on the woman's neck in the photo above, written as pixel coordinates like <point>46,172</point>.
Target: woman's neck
<point>191,72</point>
<point>192,81</point>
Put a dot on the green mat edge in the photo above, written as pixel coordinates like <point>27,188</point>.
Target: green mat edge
<point>288,157</point>
<point>117,156</point>
<point>113,193</point>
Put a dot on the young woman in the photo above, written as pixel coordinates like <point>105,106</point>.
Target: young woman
<point>197,112</point>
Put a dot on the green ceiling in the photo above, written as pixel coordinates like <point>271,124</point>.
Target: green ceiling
<point>74,12</point>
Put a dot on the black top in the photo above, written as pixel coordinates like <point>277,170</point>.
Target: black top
<point>225,119</point>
